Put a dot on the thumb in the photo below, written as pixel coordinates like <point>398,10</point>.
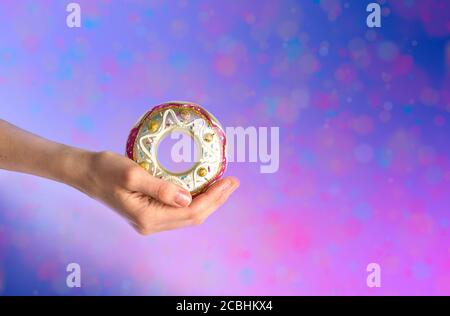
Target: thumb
<point>164,191</point>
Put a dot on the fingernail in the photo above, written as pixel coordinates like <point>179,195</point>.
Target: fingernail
<point>183,199</point>
<point>226,185</point>
<point>235,186</point>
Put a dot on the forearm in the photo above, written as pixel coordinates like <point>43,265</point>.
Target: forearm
<point>24,152</point>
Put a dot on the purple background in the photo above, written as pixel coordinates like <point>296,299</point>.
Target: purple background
<point>364,164</point>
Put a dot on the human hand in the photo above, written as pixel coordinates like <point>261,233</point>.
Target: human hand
<point>150,204</point>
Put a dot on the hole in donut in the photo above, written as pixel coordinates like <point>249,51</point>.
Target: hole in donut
<point>178,152</point>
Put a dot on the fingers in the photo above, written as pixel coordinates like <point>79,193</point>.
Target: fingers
<point>161,190</point>
<point>205,204</point>
<point>202,206</point>
<point>160,216</point>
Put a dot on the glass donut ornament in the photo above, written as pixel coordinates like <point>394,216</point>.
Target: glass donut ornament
<point>193,120</point>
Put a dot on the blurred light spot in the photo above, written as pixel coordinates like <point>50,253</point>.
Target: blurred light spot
<point>362,211</point>
<point>363,153</point>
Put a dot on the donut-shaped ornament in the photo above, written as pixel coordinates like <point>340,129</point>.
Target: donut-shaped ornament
<point>188,118</point>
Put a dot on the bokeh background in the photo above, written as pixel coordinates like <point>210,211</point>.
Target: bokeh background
<point>364,161</point>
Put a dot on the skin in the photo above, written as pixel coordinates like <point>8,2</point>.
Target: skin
<point>150,204</point>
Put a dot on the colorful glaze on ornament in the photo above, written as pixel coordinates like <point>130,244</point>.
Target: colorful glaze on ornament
<point>192,119</point>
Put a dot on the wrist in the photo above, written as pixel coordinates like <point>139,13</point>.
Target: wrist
<point>76,168</point>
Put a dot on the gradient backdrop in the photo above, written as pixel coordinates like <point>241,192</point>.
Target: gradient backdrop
<point>364,117</point>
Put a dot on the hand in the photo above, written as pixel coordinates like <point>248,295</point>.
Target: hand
<point>150,204</point>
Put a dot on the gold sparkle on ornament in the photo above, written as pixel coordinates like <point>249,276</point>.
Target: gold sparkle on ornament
<point>185,114</point>
<point>202,172</point>
<point>153,126</point>
<point>208,137</point>
<point>144,165</point>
